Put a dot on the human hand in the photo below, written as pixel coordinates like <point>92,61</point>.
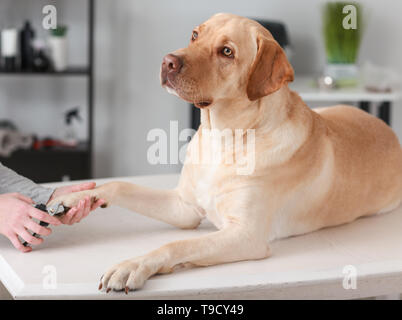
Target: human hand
<point>16,213</point>
<point>84,206</point>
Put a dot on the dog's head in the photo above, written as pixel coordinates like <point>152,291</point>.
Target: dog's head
<point>228,57</point>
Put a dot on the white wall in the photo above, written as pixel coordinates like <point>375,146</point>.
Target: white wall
<point>131,39</point>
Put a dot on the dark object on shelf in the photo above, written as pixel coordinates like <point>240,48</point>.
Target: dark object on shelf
<point>40,62</point>
<point>27,36</point>
<point>73,114</point>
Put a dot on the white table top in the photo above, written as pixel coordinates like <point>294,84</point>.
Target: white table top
<point>303,85</point>
<point>308,266</point>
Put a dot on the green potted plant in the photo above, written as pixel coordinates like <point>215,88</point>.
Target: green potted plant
<point>58,47</point>
<point>342,38</point>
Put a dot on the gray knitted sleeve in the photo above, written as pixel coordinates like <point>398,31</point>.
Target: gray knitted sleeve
<point>10,182</point>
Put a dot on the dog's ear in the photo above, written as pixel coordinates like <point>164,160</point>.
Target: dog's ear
<point>270,70</point>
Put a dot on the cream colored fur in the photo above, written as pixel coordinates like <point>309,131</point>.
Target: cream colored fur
<point>313,168</point>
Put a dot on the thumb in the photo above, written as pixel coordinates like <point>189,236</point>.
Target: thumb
<point>24,198</point>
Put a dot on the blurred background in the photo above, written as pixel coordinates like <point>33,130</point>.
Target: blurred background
<point>78,101</point>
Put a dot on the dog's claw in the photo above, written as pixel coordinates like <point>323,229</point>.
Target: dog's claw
<point>126,290</point>
<point>108,290</point>
<point>100,286</point>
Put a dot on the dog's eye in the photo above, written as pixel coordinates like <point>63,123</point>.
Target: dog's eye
<point>227,52</point>
<point>194,36</point>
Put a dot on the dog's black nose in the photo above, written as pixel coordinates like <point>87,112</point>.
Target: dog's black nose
<point>172,63</point>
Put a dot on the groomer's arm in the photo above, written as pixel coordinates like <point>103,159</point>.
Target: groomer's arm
<point>11,182</point>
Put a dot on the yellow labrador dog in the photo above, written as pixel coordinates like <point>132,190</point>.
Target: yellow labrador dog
<point>313,168</point>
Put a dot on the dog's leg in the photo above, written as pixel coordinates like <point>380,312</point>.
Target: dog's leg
<point>163,205</point>
<point>227,245</point>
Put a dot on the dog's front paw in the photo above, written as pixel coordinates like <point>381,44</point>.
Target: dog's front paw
<point>130,274</point>
<point>72,199</point>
